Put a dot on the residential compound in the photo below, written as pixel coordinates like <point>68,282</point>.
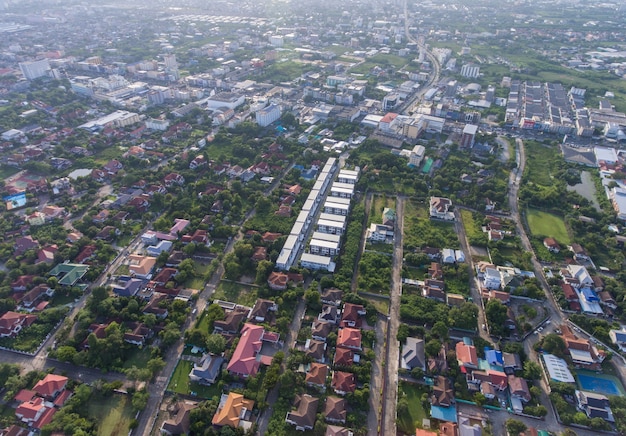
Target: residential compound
<point>324,212</point>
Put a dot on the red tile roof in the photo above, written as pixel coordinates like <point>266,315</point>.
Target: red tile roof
<point>243,361</point>
<point>50,385</point>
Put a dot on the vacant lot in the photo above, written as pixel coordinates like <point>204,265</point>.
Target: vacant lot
<point>544,224</point>
<point>236,293</point>
<point>541,161</point>
<point>113,414</point>
<point>410,418</point>
<point>421,231</point>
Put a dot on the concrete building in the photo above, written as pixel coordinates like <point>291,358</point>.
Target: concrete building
<point>35,69</point>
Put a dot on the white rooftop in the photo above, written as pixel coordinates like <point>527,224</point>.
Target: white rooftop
<point>557,369</point>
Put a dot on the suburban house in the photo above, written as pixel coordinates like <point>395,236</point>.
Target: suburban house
<point>244,362</point>
<point>316,350</point>
<point>344,357</point>
<point>583,352</point>
<point>138,334</point>
<point>594,405</point>
<point>332,296</point>
<point>551,245</point>
<point>579,252</point>
<point>262,310</point>
<point>11,323</point>
<point>51,386</point>
<point>179,422</point>
<point>413,355</point>
<point>443,393</point>
<point>316,376</point>
<point>234,411</point>
<point>303,418</point>
<point>349,338</point>
<point>335,410</point>
<point>519,388</point>
<point>207,370</point>
<point>343,383</point>
<point>233,319</point>
<point>466,355</point>
<point>439,208</point>
<point>141,266</point>
<point>320,330</point>
<point>352,315</point>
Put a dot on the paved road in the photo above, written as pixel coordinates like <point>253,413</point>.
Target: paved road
<point>289,344</point>
<point>377,379</point>
<point>41,363</point>
<point>392,361</point>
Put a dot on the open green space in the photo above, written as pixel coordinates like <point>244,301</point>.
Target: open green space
<point>544,224</point>
<point>236,293</point>
<point>113,414</point>
<point>421,231</point>
<point>382,61</point>
<point>180,383</point>
<point>7,171</point>
<point>410,417</point>
<point>540,163</point>
<point>473,229</point>
<point>139,358</point>
<point>378,204</point>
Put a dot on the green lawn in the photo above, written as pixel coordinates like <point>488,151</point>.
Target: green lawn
<point>138,357</point>
<point>180,383</point>
<point>541,162</point>
<point>544,224</point>
<point>7,172</point>
<point>411,419</point>
<point>473,228</point>
<point>113,414</point>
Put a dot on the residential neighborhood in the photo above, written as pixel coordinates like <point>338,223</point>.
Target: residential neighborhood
<point>312,218</point>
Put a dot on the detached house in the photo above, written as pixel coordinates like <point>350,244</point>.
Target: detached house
<point>439,208</point>
<point>11,323</point>
<point>173,179</point>
<point>303,418</point>
<point>244,361</point>
<point>343,383</point>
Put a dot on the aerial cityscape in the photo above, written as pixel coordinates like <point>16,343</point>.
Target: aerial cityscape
<point>284,217</point>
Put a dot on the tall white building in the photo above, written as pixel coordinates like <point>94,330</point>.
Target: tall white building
<point>35,69</point>
<point>268,115</point>
<point>470,70</point>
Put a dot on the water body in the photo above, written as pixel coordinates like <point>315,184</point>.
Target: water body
<point>79,173</point>
<point>587,189</point>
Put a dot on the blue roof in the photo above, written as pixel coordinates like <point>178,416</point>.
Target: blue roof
<point>443,413</point>
<point>589,294</point>
<point>494,357</point>
<point>620,335</point>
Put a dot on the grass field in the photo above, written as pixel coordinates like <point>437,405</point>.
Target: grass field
<point>240,294</point>
<point>113,414</point>
<point>7,172</point>
<point>547,225</point>
<point>420,230</point>
<point>472,228</point>
<point>381,60</point>
<point>138,358</point>
<point>540,160</point>
<point>412,418</point>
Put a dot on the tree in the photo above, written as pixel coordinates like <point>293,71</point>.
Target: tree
<point>440,330</point>
<point>263,270</point>
<point>554,344</point>
<point>432,348</point>
<point>496,315</point>
<point>479,399</point>
<point>155,365</point>
<point>196,337</point>
<point>66,353</point>
<point>140,400</point>
<point>532,370</point>
<point>515,427</point>
<point>215,344</point>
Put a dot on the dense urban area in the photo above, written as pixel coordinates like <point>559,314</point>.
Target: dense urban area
<point>312,218</point>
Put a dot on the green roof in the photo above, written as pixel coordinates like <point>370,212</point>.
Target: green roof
<point>69,273</point>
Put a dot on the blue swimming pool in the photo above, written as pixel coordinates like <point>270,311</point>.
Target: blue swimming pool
<point>599,383</point>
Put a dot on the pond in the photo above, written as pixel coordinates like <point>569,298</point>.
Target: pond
<point>587,189</point>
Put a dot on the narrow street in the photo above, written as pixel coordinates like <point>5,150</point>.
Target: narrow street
<point>290,341</point>
<point>392,356</point>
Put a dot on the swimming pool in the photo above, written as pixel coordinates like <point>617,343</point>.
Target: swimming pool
<point>600,383</point>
